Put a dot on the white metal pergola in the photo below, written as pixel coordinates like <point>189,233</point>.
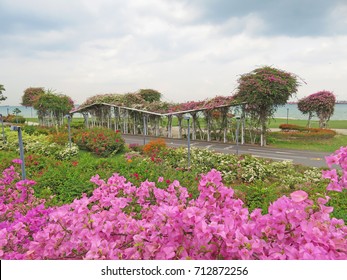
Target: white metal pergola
<point>120,118</point>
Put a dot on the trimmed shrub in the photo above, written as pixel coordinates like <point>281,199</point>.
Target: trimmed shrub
<point>38,144</point>
<point>60,138</point>
<point>153,148</point>
<point>37,130</point>
<point>14,119</point>
<point>290,131</point>
<point>100,141</point>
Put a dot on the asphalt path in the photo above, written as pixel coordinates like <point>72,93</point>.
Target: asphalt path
<point>307,158</point>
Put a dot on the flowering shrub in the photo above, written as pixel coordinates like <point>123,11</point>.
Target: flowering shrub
<point>38,144</point>
<point>59,137</point>
<point>67,152</point>
<point>31,95</point>
<point>296,131</point>
<point>338,158</point>
<point>258,182</point>
<point>211,103</point>
<point>288,127</point>
<point>245,168</point>
<point>14,119</point>
<point>153,148</point>
<point>37,130</point>
<point>120,221</point>
<point>322,103</point>
<point>100,141</point>
<point>264,89</point>
<point>320,135</point>
<point>140,101</point>
<point>21,214</point>
<point>135,147</point>
<point>51,107</point>
<point>130,155</point>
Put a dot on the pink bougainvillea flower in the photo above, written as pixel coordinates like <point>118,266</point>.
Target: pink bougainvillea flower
<point>299,196</point>
<point>330,174</point>
<point>17,160</point>
<point>160,179</point>
<point>123,221</point>
<point>332,159</point>
<point>334,186</point>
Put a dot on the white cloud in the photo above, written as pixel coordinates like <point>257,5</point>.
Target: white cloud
<point>122,46</point>
<point>337,19</point>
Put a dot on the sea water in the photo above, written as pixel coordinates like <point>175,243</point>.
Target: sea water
<point>292,112</point>
<point>288,111</point>
<point>26,112</point>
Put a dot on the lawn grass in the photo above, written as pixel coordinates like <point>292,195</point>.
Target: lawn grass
<point>327,145</point>
<point>35,120</point>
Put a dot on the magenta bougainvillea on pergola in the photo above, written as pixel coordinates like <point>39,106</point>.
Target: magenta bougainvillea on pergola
<point>321,103</point>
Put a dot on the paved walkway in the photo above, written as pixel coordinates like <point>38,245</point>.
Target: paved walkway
<point>175,129</point>
<point>307,158</point>
<point>341,131</point>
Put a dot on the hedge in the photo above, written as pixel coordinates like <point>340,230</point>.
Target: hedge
<point>292,131</point>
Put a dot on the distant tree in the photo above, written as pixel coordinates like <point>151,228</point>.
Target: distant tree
<point>16,111</point>
<point>305,107</point>
<point>150,95</point>
<point>264,89</point>
<point>322,103</point>
<point>2,97</point>
<point>52,107</point>
<point>31,95</point>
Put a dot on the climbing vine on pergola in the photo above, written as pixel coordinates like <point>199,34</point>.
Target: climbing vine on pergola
<point>136,114</point>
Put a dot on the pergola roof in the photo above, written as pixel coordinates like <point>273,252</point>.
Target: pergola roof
<point>98,104</point>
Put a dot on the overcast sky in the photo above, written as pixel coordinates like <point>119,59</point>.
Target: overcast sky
<point>186,49</point>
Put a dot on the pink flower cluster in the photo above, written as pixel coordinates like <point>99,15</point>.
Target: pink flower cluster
<point>322,103</point>
<point>21,215</point>
<point>121,221</point>
<point>135,101</point>
<point>338,158</point>
<point>210,104</point>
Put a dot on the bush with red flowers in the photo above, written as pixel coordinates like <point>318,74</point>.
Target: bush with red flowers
<point>100,141</point>
<point>290,131</point>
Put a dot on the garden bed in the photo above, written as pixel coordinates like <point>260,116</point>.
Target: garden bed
<point>144,203</point>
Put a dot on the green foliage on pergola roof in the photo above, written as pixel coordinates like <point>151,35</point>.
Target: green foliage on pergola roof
<point>137,101</point>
